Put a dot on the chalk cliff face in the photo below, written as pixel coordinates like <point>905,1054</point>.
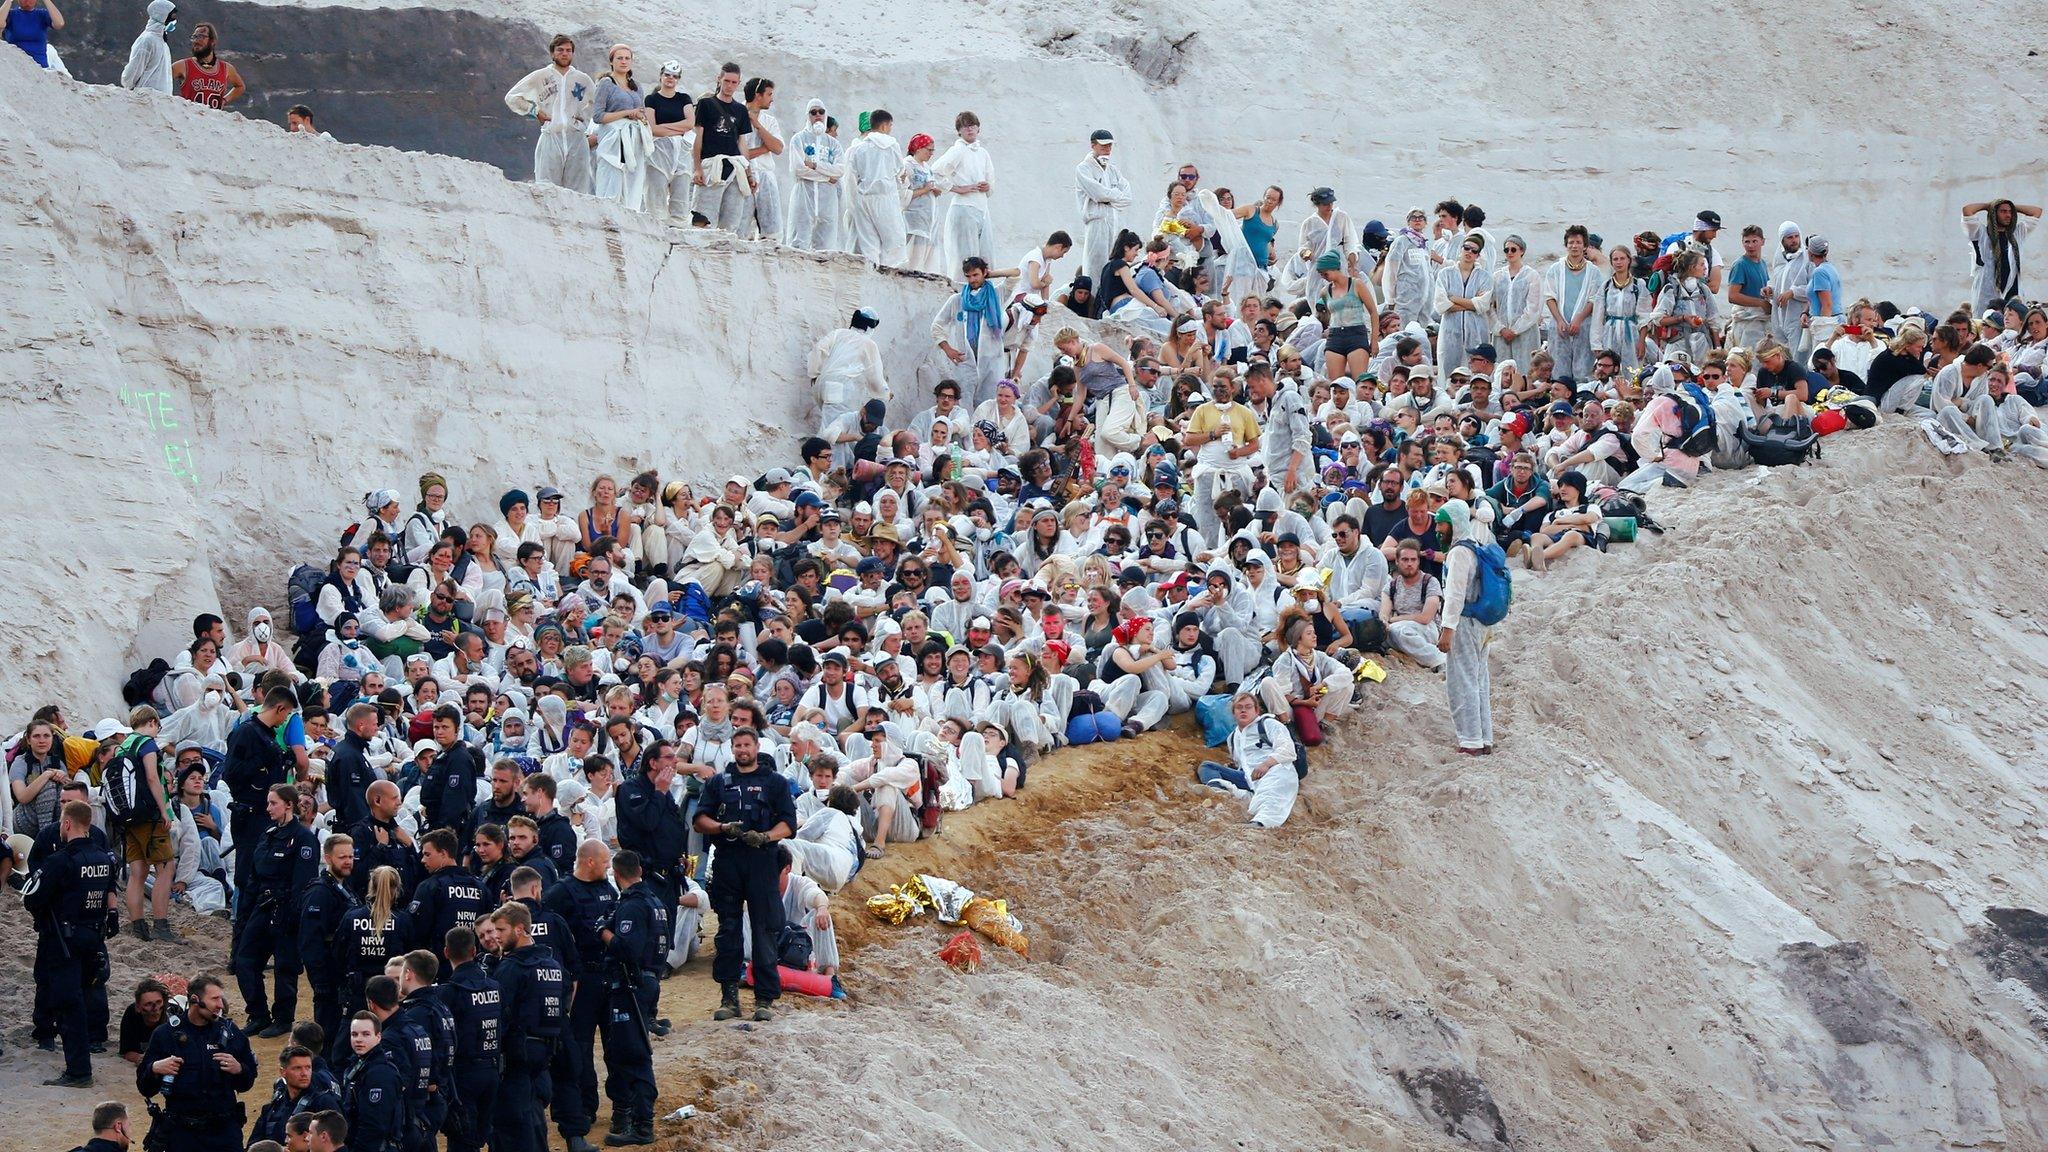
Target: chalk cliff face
<point>219,336</point>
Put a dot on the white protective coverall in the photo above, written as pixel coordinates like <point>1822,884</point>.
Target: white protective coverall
<point>1516,304</point>
<point>1460,332</point>
<point>562,155</point>
<point>1572,291</point>
<point>969,231</point>
<point>1467,678</point>
<point>847,366</point>
<point>149,61</point>
<point>767,203</point>
<point>875,166</point>
<point>983,368</point>
<point>815,162</point>
<point>623,149</point>
<point>1793,273</point>
<point>1100,194</point>
<point>668,178</point>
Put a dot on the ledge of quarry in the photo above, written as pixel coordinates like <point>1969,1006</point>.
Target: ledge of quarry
<point>219,336</point>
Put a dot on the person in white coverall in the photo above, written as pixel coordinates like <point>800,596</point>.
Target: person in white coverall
<point>1788,292</point>
<point>668,164</point>
<point>968,330</point>
<point>814,203</point>
<point>875,166</point>
<point>761,147</point>
<point>559,97</point>
<point>847,366</point>
<point>623,128</point>
<point>149,61</point>
<point>1102,194</point>
<point>1261,767</point>
<point>966,171</point>
<point>1467,678</point>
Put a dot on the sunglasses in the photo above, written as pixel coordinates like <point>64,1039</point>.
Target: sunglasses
<point>1191,175</point>
<point>1471,249</point>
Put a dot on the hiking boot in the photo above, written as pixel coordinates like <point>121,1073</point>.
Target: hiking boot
<point>764,1011</point>
<point>140,928</point>
<point>69,1081</point>
<point>582,1144</point>
<point>728,1004</point>
<point>632,1136</point>
<point>281,1028</point>
<point>167,934</point>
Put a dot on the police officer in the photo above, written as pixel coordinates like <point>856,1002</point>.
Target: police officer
<point>295,1093</point>
<point>448,792</point>
<point>381,842</point>
<point>487,859</point>
<point>43,1025</point>
<point>109,1129</point>
<point>450,897</point>
<point>473,998</point>
<point>423,1023</point>
<point>70,894</point>
<point>373,1090</point>
<point>650,823</point>
<point>255,763</point>
<point>371,933</point>
<point>322,912</point>
<point>348,770</point>
<point>745,810</point>
<point>522,847</point>
<point>557,832</point>
<point>503,803</point>
<point>201,1063</point>
<point>533,989</point>
<point>585,900</point>
<point>287,864</point>
<point>634,942</point>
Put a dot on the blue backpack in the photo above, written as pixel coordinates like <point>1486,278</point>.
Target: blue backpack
<point>1697,433</point>
<point>1495,590</point>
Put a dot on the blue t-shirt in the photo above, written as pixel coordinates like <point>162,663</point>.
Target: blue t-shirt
<point>30,32</point>
<point>1750,276</point>
<point>1825,279</point>
<point>1148,280</point>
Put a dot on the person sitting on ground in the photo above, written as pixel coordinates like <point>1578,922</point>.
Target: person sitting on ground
<point>827,845</point>
<point>1576,522</point>
<point>1409,605</point>
<point>1261,767</point>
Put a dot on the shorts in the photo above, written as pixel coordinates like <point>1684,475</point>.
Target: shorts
<point>1344,341</point>
<point>148,843</point>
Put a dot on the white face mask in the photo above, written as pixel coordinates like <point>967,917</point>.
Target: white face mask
<point>1310,604</point>
<point>1692,283</point>
<point>212,697</point>
<point>261,632</point>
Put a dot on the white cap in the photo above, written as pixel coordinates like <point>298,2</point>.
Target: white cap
<point>109,727</point>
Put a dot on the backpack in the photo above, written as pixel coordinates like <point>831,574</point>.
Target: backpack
<point>1495,589</point>
<point>142,683</point>
<point>1629,505</point>
<point>1697,436</point>
<point>1774,441</point>
<point>302,592</point>
<point>126,794</point>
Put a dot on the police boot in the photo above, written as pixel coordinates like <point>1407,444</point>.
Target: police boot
<point>580,1144</point>
<point>728,1004</point>
<point>764,1010</point>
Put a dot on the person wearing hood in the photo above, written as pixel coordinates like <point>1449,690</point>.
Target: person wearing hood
<point>1229,624</point>
<point>258,652</point>
<point>149,59</point>
<point>1101,194</point>
<point>967,172</point>
<point>1657,427</point>
<point>559,97</point>
<point>1788,291</point>
<point>1194,663</point>
<point>846,367</point>
<point>1467,678</point>
<point>1407,278</point>
<point>875,165</point>
<point>814,202</point>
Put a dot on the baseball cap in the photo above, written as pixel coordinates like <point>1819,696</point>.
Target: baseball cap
<point>1166,508</point>
<point>1102,136</point>
<point>1484,352</point>
<point>547,492</point>
<point>776,476</point>
<point>1560,408</point>
<point>1708,221</point>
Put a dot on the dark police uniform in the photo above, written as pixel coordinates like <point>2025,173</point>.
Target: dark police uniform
<point>638,942</point>
<point>497,881</point>
<point>586,905</point>
<point>349,777</point>
<point>474,999</point>
<point>43,1026</point>
<point>425,1025</point>
<point>533,990</point>
<point>255,763</point>
<point>557,841</point>
<point>745,878</point>
<point>450,898</point>
<point>321,914</point>
<point>539,862</point>
<point>201,1110</point>
<point>447,793</point>
<point>67,895</point>
<point>287,864</point>
<point>318,1097</point>
<point>373,1101</point>
<point>363,947</point>
<point>652,825</point>
<point>371,855</point>
<point>489,811</point>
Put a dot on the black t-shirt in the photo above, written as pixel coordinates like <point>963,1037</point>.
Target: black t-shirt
<point>720,124</point>
<point>134,1031</point>
<point>1381,520</point>
<point>669,109</point>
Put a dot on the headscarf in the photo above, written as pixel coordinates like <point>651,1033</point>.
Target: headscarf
<point>428,480</point>
<point>553,714</point>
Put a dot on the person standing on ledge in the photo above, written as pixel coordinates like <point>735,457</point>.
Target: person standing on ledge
<point>205,78</point>
<point>559,98</point>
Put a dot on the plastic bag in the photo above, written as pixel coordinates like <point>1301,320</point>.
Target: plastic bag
<point>962,953</point>
<point>992,919</point>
